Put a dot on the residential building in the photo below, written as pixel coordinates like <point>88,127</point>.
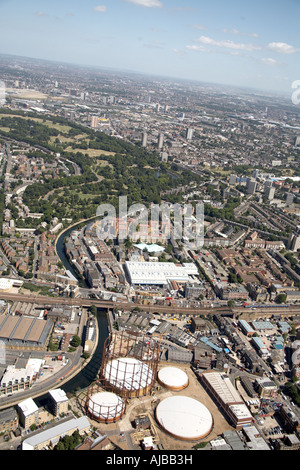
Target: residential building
<point>28,413</point>
<point>49,438</point>
<point>58,402</point>
<point>9,420</point>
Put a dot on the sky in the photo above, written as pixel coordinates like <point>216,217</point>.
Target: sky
<point>242,43</point>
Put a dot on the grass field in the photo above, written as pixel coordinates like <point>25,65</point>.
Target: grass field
<point>90,152</point>
<point>26,94</point>
<point>59,127</point>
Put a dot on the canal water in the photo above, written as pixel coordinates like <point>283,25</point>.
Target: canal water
<point>60,249</point>
<point>89,373</point>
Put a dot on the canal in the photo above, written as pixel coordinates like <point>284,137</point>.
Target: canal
<point>60,249</point>
<point>89,373</point>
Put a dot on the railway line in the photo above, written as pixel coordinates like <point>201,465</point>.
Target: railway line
<point>263,310</point>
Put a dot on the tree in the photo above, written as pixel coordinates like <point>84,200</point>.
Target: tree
<point>93,310</point>
<point>75,341</point>
<point>280,299</point>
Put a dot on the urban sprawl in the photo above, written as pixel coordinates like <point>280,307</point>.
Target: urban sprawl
<point>147,342</point>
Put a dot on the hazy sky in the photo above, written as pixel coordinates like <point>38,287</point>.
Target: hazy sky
<point>237,42</point>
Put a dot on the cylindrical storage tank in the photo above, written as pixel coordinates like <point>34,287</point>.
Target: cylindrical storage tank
<point>184,418</point>
<point>172,378</point>
<point>129,364</point>
<point>105,407</point>
<point>128,376</point>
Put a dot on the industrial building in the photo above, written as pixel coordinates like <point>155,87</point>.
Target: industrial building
<point>260,347</point>
<point>25,332</point>
<point>227,397</point>
<point>246,328</point>
<point>159,273</point>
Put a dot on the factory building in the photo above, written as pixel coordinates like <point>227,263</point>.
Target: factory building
<point>227,397</point>
<point>158,273</point>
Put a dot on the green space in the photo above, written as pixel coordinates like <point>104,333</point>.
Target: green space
<point>110,167</point>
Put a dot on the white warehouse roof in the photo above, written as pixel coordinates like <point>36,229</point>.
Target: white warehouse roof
<point>156,273</point>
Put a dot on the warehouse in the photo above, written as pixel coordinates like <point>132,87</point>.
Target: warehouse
<point>24,331</point>
<point>227,397</point>
<point>247,330</point>
<point>260,347</point>
<point>157,273</point>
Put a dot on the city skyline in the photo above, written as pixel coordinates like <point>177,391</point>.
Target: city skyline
<point>250,45</point>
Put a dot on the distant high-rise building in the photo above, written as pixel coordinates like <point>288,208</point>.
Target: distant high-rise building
<point>164,156</point>
<point>189,133</point>
<point>269,190</point>
<point>270,193</point>
<point>160,142</point>
<point>297,141</point>
<point>268,184</point>
<point>144,139</point>
<point>289,198</point>
<point>94,122</point>
<point>232,179</point>
<point>294,242</point>
<point>251,185</point>
<point>255,173</point>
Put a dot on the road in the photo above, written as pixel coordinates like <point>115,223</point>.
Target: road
<point>74,364</point>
